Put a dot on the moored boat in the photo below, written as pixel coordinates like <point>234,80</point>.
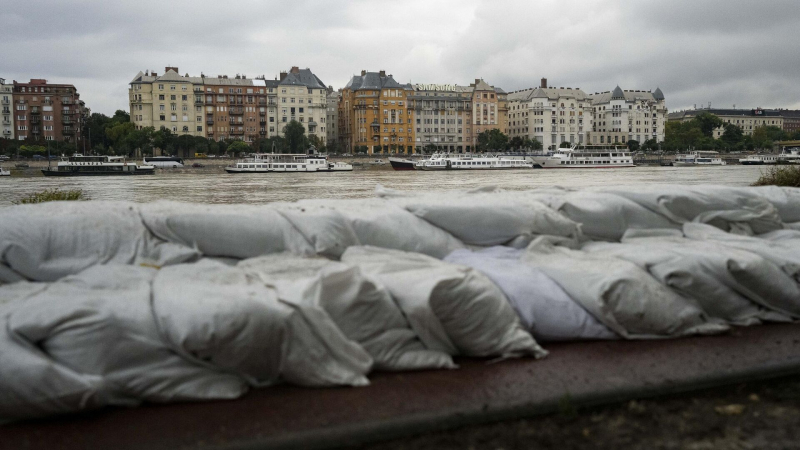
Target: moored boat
<point>467,161</point>
<point>571,158</point>
<point>758,160</point>
<point>401,164</point>
<point>286,162</point>
<point>164,162</point>
<point>79,165</point>
<point>4,173</point>
<point>699,158</point>
<point>790,156</point>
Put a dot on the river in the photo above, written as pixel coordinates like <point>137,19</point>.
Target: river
<point>213,185</point>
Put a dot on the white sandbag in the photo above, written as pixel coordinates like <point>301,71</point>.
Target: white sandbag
<point>451,308</point>
<point>31,383</point>
<point>542,305</point>
<point>45,242</point>
<point>328,231</point>
<point>607,217</point>
<point>361,308</point>
<point>487,218</point>
<point>380,223</point>
<point>99,323</point>
<point>236,231</point>
<point>619,294</point>
<point>728,208</point>
<point>221,316</point>
<point>785,199</point>
<point>706,273</point>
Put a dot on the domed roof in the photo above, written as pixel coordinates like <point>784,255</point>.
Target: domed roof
<point>658,95</point>
<point>617,94</point>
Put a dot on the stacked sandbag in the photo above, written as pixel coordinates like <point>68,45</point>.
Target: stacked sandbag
<point>452,308</point>
<point>228,319</point>
<point>542,305</point>
<point>486,217</point>
<point>48,241</point>
<point>731,209</point>
<point>785,199</point>
<point>90,340</point>
<point>733,285</point>
<point>357,303</point>
<point>380,223</point>
<point>619,294</point>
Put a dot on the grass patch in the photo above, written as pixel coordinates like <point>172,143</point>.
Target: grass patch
<point>780,176</point>
<point>52,195</point>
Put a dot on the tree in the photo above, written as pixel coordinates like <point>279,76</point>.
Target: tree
<point>633,145</point>
<point>316,142</point>
<point>164,140</point>
<point>295,135</point>
<point>333,147</point>
<point>492,140</point>
<point>363,149</point>
<point>237,147</point>
<point>732,136</point>
<point>708,123</point>
<point>429,148</point>
<point>765,135</point>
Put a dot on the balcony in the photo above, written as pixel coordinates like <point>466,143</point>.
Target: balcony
<point>209,101</point>
<point>262,132</point>
<point>6,101</point>
<point>209,121</point>
<point>198,101</point>
<point>262,113</point>
<point>237,131</point>
<point>67,112</point>
<point>67,102</point>
<point>236,111</point>
<point>6,132</point>
<point>262,122</point>
<point>35,110</point>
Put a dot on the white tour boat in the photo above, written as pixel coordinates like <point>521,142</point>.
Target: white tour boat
<point>699,158</point>
<point>571,158</point>
<point>287,162</point>
<point>467,161</point>
<point>78,165</point>
<point>4,173</point>
<point>789,155</point>
<point>758,160</point>
<point>164,162</point>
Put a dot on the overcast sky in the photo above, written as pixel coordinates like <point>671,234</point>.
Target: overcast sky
<point>742,52</point>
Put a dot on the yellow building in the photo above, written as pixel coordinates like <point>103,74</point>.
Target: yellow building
<point>171,101</point>
<point>374,113</point>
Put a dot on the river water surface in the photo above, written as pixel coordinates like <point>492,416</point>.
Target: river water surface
<point>214,185</point>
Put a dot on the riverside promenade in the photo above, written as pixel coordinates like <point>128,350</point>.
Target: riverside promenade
<point>398,405</point>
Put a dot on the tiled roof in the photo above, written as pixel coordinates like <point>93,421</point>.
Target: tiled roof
<point>303,77</point>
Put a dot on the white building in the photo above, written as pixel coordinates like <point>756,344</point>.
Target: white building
<point>550,115</point>
<point>625,115</point>
<point>303,97</point>
<point>7,114</point>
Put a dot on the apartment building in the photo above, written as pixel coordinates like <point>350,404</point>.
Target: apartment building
<point>234,108</point>
<point>374,112</point>
<point>332,115</point>
<point>746,119</point>
<point>46,111</point>
<point>624,115</point>
<point>169,101</point>
<point>550,115</point>
<point>6,111</point>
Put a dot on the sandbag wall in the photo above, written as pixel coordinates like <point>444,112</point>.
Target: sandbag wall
<point>112,303</point>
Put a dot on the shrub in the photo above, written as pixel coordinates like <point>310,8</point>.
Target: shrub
<point>780,176</point>
<point>51,195</point>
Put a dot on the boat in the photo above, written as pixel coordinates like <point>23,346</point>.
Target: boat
<point>22,165</point>
<point>164,162</point>
<point>758,160</point>
<point>790,156</point>
<point>572,158</point>
<point>286,162</point>
<point>79,165</point>
<point>699,158</point>
<point>467,161</point>
<point>378,162</point>
<point>4,173</point>
<point>401,163</point>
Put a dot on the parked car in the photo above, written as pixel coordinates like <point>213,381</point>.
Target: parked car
<point>4,157</point>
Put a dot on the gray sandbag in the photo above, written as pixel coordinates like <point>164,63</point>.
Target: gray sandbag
<point>99,324</point>
<point>619,294</point>
<point>542,305</point>
<point>727,208</point>
<point>31,383</point>
<point>327,230</point>
<point>785,199</point>
<point>487,217</point>
<point>380,223</point>
<point>452,308</point>
<point>359,305</point>
<point>235,231</point>
<point>47,241</point>
<point>227,319</point>
<point>708,273</point>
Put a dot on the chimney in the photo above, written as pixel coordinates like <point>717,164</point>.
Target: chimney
<point>153,74</point>
<point>225,77</point>
<point>283,75</point>
<point>363,72</point>
<point>544,83</point>
<point>295,69</point>
<point>477,80</point>
<point>167,69</point>
<point>382,73</point>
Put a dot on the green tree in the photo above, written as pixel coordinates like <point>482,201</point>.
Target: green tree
<point>164,139</point>
<point>732,136</point>
<point>333,147</point>
<point>764,136</point>
<point>633,145</point>
<point>295,135</point>
<point>237,147</point>
<point>492,140</point>
<point>565,144</point>
<point>363,149</point>
<point>316,142</point>
<point>28,151</point>
<point>708,123</point>
<point>650,145</point>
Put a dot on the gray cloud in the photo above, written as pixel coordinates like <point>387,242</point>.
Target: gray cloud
<point>698,51</point>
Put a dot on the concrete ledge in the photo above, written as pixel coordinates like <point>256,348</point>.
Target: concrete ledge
<point>401,404</point>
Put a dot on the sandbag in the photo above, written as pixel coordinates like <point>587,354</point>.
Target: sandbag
<point>224,318</point>
<point>785,199</point>
<point>99,324</point>
<point>619,294</point>
<point>545,310</point>
<point>47,241</point>
<point>487,217</point>
<point>727,208</point>
<point>235,231</point>
<point>327,230</point>
<point>451,308</point>
<point>360,306</point>
<point>710,274</point>
<point>379,223</point>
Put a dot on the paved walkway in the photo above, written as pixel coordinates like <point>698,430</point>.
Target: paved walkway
<point>405,403</point>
